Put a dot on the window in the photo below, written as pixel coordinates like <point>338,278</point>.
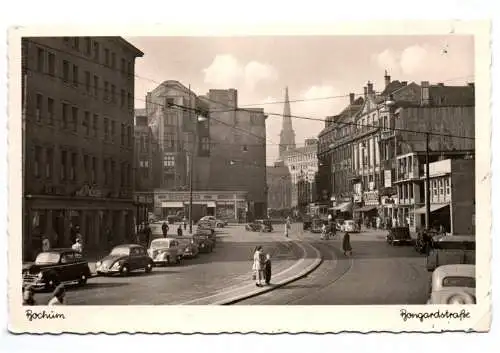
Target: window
<point>130,101</point>
<point>93,175</point>
<point>122,135</point>
<point>52,64</point>
<point>75,75</point>
<point>74,115</point>
<point>40,60</point>
<point>106,56</point>
<point>122,98</point>
<point>122,173</point>
<point>146,142</point>
<point>105,171</point>
<point>106,90</point>
<point>49,162</point>
<point>76,43</point>
<point>143,144</point>
<point>447,181</point>
<point>72,171</point>
<point>169,161</point>
<point>113,170</point>
<point>112,133</point>
<point>96,86</point>
<point>205,144</point>
<point>65,71</point>
<point>86,167</point>
<point>50,111</point>
<point>145,170</point>
<point>88,47</point>
<point>113,98</point>
<point>39,107</point>
<point>87,82</point>
<point>441,187</point>
<point>113,60</point>
<point>38,161</point>
<point>64,121</point>
<point>97,51</point>
<point>63,165</point>
<point>94,124</point>
<point>86,123</point>
<point>106,129</point>
<point>129,136</point>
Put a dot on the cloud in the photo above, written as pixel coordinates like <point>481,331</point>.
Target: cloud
<point>428,63</point>
<point>226,71</point>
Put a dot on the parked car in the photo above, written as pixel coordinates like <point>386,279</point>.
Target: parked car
<point>453,284</point>
<point>216,223</point>
<point>124,259</point>
<point>451,250</point>
<point>54,267</point>
<point>188,247</point>
<point>350,226</point>
<point>165,251</point>
<point>425,239</point>
<point>398,235</point>
<point>172,219</point>
<point>260,225</point>
<point>205,244</point>
<point>206,225</point>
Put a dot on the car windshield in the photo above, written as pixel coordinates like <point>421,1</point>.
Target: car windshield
<point>48,258</point>
<point>120,251</point>
<point>160,243</point>
<point>459,281</point>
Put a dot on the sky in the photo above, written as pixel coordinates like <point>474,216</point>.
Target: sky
<point>321,70</point>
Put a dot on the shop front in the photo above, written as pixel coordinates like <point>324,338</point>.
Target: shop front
<point>102,222</point>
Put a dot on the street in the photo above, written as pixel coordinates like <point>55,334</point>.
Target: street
<point>376,274</point>
<point>229,265</point>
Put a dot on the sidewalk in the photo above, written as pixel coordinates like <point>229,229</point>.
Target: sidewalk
<point>246,288</point>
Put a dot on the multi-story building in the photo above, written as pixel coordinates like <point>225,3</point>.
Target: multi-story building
<point>302,163</point>
<point>279,186</point>
<point>392,123</point>
<point>78,106</point>
<point>147,166</point>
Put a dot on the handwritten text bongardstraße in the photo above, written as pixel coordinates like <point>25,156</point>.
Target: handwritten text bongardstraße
<point>438,314</point>
<point>43,315</point>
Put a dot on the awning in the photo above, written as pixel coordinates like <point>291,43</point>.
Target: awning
<point>343,207</point>
<point>172,204</point>
<point>208,203</point>
<point>434,207</point>
<point>365,209</point>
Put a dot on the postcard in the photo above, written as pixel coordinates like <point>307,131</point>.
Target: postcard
<point>234,179</point>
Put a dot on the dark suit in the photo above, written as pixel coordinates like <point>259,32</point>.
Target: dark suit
<point>267,271</point>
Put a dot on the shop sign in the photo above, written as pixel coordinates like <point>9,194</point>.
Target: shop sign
<point>88,191</point>
<point>357,198</point>
<point>371,198</point>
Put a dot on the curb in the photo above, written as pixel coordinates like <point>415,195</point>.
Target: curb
<point>318,261</point>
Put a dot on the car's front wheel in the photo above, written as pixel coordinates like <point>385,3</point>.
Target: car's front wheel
<point>125,270</point>
<point>149,267</point>
<point>52,283</point>
<point>83,279</point>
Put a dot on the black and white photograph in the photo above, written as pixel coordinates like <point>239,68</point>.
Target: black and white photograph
<point>307,174</point>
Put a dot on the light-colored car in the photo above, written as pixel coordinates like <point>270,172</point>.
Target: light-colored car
<point>453,284</point>
<point>216,223</point>
<point>350,226</point>
<point>165,251</point>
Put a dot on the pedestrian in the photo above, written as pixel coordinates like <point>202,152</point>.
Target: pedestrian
<point>58,295</point>
<point>184,222</point>
<point>287,226</point>
<point>179,230</point>
<point>45,244</point>
<point>346,244</point>
<point>29,296</point>
<point>147,234</point>
<point>77,246</point>
<point>267,269</point>
<point>258,266</point>
<point>379,221</point>
<point>164,229</point>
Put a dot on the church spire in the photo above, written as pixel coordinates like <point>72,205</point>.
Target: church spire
<point>287,136</point>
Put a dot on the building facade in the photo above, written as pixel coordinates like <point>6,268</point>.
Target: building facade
<point>78,104</point>
<point>366,145</point>
<point>279,185</point>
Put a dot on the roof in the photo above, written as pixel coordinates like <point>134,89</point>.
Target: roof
<point>130,46</point>
<point>452,95</point>
<point>391,87</point>
<point>347,112</point>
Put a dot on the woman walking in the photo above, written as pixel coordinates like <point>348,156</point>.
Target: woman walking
<point>346,244</point>
<point>258,266</point>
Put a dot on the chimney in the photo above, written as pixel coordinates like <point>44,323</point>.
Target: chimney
<point>365,89</point>
<point>441,84</point>
<point>425,93</point>
<point>404,83</point>
<point>351,98</point>
<point>370,87</point>
<point>470,84</point>
<point>387,79</point>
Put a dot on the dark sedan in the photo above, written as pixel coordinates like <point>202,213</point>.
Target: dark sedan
<point>56,266</point>
<point>205,244</point>
<point>124,259</point>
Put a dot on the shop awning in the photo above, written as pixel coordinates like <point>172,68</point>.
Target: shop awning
<point>343,207</point>
<point>208,203</point>
<point>434,208</point>
<point>365,209</point>
<point>172,204</point>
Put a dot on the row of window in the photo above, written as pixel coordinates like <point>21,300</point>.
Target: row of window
<point>45,111</point>
<point>90,47</point>
<point>440,186</point>
<point>71,74</point>
<point>70,163</point>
